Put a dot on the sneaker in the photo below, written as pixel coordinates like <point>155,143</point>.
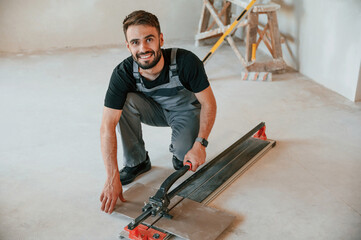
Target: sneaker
<point>177,164</point>
<point>128,174</point>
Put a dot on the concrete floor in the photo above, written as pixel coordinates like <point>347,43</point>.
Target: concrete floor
<point>52,174</point>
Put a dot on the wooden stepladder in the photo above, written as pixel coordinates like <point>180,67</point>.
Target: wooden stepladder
<point>269,34</point>
<point>205,30</point>
<point>222,18</point>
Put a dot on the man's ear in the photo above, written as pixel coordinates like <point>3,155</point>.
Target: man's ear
<point>161,40</point>
<point>127,44</point>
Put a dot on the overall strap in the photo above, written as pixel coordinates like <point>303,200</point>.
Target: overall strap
<point>136,73</point>
<point>173,63</point>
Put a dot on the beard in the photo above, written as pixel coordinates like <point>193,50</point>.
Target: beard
<point>148,64</point>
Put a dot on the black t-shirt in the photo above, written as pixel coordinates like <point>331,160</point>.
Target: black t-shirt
<point>190,71</point>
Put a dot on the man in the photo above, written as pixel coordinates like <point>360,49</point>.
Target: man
<point>158,87</point>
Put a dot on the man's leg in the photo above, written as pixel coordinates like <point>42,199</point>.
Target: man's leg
<point>137,109</point>
<point>185,128</point>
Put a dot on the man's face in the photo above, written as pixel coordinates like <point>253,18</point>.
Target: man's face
<point>144,43</point>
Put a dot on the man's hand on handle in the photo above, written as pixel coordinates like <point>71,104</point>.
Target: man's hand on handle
<point>111,192</point>
<point>197,156</point>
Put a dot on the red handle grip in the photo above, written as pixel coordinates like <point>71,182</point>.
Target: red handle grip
<point>188,163</point>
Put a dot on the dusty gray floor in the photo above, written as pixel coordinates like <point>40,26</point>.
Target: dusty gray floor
<point>51,171</point>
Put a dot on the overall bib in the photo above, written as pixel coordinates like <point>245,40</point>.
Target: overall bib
<point>169,104</point>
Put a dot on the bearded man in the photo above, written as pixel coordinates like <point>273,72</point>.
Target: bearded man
<point>158,87</point>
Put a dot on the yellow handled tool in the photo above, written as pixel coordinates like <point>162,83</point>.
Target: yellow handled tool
<point>254,48</point>
<point>229,30</point>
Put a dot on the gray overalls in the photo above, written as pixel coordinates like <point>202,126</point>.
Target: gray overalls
<point>169,104</point>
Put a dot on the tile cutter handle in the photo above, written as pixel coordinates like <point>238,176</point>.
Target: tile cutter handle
<point>160,201</point>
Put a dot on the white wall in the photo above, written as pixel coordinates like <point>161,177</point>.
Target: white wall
<point>31,25</point>
<point>358,89</point>
<point>323,36</point>
<point>324,39</point>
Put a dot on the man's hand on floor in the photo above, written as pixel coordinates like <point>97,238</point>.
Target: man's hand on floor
<point>110,194</point>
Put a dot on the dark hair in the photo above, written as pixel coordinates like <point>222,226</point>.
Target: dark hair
<point>140,17</point>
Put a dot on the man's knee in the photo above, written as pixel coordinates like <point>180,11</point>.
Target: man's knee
<point>133,101</point>
<point>183,138</point>
<point>180,147</point>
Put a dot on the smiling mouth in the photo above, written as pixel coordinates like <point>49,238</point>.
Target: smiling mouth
<point>144,55</point>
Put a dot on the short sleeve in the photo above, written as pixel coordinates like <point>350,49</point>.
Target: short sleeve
<point>121,82</point>
<point>191,71</point>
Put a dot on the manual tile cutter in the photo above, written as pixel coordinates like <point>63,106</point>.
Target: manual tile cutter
<point>158,204</point>
<point>187,202</point>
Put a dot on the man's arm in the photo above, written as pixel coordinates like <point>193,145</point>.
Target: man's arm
<point>113,188</point>
<point>197,154</point>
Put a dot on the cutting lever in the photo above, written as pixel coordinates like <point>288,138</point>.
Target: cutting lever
<point>158,204</point>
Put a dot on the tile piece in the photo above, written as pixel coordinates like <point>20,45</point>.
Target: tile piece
<point>191,220</point>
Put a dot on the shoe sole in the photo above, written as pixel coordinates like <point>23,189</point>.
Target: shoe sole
<point>126,182</point>
<point>178,167</point>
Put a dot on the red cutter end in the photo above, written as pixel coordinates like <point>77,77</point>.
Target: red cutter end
<point>142,232</point>
<point>261,134</point>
